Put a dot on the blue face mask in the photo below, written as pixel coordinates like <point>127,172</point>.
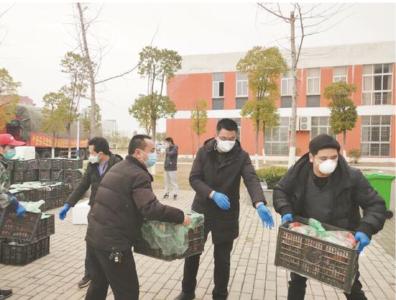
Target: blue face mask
<point>10,153</point>
<point>151,159</point>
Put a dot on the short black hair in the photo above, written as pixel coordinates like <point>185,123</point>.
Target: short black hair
<point>170,140</point>
<point>100,145</point>
<point>227,124</point>
<point>137,142</point>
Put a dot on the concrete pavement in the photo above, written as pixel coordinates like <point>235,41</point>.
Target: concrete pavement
<point>253,274</point>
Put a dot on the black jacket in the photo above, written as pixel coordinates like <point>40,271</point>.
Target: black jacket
<point>209,174</point>
<point>351,190</point>
<point>123,199</point>
<point>171,154</point>
<point>91,178</point>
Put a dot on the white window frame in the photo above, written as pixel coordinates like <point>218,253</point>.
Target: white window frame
<point>338,77</point>
<point>313,79</point>
<point>287,85</point>
<point>319,126</point>
<point>241,82</point>
<point>380,142</point>
<point>372,91</point>
<point>268,137</point>
<point>216,84</point>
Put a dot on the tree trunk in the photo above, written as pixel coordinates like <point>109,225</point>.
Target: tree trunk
<point>292,143</point>
<point>256,161</point>
<point>344,143</point>
<point>264,160</point>
<point>69,141</point>
<point>91,72</point>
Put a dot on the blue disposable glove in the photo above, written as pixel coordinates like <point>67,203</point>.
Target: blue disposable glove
<point>221,200</point>
<point>20,210</point>
<point>363,240</point>
<point>265,215</point>
<point>287,218</point>
<point>63,211</point>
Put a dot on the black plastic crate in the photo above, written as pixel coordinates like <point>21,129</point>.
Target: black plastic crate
<point>30,175</point>
<point>15,228</point>
<point>72,164</point>
<point>196,244</point>
<point>56,175</point>
<point>18,176</point>
<point>45,164</point>
<point>45,227</point>
<point>326,262</point>
<point>20,165</point>
<point>57,164</point>
<point>44,175</point>
<point>33,164</point>
<point>16,253</point>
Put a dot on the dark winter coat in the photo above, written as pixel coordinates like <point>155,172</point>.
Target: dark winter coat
<point>171,154</point>
<point>91,178</point>
<point>350,191</point>
<point>123,199</point>
<point>208,174</point>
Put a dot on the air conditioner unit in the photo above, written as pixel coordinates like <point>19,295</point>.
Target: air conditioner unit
<point>297,123</point>
<point>304,123</point>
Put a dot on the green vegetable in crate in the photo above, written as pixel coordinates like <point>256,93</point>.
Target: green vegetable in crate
<point>172,239</point>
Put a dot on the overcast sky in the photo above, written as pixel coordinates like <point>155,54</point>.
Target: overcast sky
<point>34,38</point>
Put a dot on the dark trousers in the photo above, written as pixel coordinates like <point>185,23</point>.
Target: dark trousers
<point>121,277</point>
<point>222,257</point>
<point>88,264</point>
<point>297,286</point>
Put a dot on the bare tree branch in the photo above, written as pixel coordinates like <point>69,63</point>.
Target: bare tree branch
<point>117,76</point>
<point>274,13</point>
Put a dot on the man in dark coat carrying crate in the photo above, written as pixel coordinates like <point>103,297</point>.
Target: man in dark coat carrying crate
<point>215,176</point>
<point>123,199</point>
<point>321,185</point>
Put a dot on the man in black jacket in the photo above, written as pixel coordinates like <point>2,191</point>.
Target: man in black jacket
<point>216,176</point>
<point>123,199</point>
<point>322,186</point>
<point>170,166</point>
<point>101,160</point>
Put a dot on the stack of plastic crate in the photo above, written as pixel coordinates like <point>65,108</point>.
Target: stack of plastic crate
<point>23,240</point>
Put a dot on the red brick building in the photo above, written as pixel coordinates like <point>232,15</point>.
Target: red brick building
<point>371,67</point>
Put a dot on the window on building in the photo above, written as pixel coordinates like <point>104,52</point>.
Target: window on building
<point>375,136</point>
<point>313,101</point>
<point>377,84</point>
<point>340,74</point>
<point>218,85</point>
<point>286,101</point>
<point>240,102</point>
<point>217,103</point>
<point>287,84</point>
<point>241,85</point>
<point>313,81</point>
<point>277,138</point>
<point>320,125</point>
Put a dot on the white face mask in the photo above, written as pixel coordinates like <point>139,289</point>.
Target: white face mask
<point>224,146</point>
<point>328,166</point>
<point>93,159</point>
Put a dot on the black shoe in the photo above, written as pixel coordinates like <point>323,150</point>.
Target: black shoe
<point>84,282</point>
<point>174,197</point>
<point>185,296</point>
<point>5,294</point>
<point>166,196</point>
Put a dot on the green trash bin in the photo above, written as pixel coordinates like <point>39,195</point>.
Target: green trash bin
<point>382,183</point>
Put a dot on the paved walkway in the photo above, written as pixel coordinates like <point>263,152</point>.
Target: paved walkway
<point>253,274</point>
